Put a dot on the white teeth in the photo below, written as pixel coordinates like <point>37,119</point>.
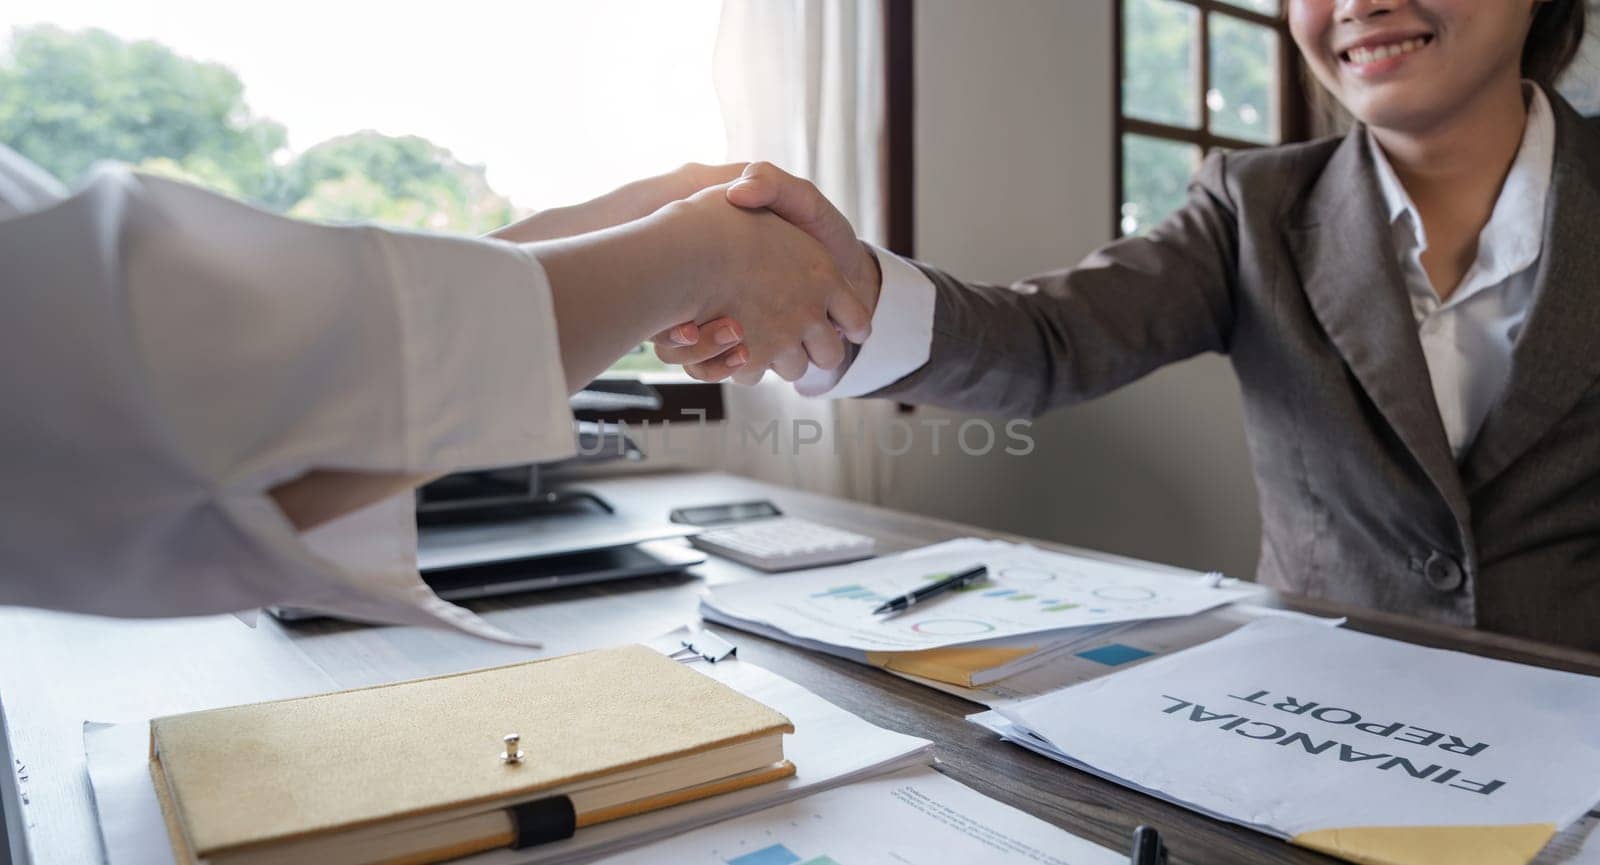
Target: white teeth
<point>1363,56</point>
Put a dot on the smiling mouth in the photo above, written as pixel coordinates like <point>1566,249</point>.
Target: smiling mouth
<point>1375,53</point>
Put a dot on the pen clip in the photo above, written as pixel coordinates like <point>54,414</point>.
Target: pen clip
<point>1148,848</point>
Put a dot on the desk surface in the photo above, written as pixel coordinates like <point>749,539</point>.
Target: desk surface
<point>57,671</point>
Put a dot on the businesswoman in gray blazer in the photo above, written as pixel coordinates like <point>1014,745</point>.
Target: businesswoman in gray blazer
<point>1412,309</point>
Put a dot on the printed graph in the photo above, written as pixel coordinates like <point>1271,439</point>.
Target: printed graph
<point>1046,604</point>
<point>1026,574</point>
<point>1125,594</point>
<point>952,627</point>
<point>858,592</point>
<point>778,854</point>
<point>1114,654</point>
<point>1026,591</point>
<point>852,592</point>
<point>1040,598</point>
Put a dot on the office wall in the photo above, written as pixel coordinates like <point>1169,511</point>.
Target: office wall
<point>1013,165</point>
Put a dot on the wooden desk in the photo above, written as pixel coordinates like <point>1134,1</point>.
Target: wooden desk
<point>58,671</point>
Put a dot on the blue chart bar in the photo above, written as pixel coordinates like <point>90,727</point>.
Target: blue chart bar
<point>849,593</point>
<point>777,854</point>
<point>1114,654</point>
<point>846,591</point>
<point>999,593</point>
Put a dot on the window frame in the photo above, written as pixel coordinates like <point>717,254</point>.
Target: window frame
<point>1293,109</point>
<point>680,394</point>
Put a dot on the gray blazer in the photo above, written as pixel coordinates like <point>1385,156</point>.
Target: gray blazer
<point>1283,260</point>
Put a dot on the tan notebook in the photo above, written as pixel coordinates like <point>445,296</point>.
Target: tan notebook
<point>417,771</point>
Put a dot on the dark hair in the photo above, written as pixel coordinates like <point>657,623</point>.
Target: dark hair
<point>1553,40</point>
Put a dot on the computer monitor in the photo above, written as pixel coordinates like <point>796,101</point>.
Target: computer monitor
<point>638,389</point>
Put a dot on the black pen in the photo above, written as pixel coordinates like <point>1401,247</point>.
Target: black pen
<point>920,594</point>
<point>1147,848</point>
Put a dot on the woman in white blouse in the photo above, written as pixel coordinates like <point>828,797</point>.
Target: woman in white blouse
<point>210,408</point>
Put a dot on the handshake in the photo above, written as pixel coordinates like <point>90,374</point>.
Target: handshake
<point>736,269</point>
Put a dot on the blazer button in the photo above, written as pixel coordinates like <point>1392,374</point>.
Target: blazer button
<point>1443,572</point>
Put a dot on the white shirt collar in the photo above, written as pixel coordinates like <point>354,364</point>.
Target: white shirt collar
<point>1512,239</point>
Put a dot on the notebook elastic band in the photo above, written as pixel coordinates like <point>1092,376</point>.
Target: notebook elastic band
<point>543,821</point>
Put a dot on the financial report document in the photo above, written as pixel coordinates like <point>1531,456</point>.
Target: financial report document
<point>1028,591</point>
<point>1366,748</point>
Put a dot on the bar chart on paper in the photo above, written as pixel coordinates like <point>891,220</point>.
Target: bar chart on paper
<point>1027,591</point>
<point>778,854</point>
<point>913,817</point>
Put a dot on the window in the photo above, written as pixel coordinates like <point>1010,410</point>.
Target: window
<point>391,113</point>
<point>1195,76</point>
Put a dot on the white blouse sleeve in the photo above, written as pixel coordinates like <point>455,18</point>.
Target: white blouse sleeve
<point>170,355</point>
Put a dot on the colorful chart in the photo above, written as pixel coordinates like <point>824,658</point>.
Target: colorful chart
<point>852,592</point>
<point>777,854</point>
<point>1027,591</point>
<point>1046,604</point>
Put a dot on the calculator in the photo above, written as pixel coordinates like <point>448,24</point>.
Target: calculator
<point>759,535</point>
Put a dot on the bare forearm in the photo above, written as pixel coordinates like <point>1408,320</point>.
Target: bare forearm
<point>559,222</point>
<point>634,201</point>
<point>613,289</point>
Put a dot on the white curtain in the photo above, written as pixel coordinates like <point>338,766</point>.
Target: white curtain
<point>802,86</point>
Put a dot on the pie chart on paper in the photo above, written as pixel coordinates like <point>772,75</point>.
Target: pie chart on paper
<point>1126,594</point>
<point>952,627</point>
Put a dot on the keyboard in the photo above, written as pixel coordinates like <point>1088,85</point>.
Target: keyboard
<point>784,544</point>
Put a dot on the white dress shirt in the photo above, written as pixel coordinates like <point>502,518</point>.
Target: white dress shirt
<point>901,340</point>
<point>170,355</point>
<point>1467,341</point>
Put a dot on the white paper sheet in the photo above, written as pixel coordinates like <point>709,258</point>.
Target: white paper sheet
<point>1049,646</point>
<point>1289,727</point>
<point>1578,844</point>
<point>913,817</point>
<point>830,747</point>
<point>1029,591</point>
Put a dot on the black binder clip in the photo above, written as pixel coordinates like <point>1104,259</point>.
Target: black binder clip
<point>707,646</point>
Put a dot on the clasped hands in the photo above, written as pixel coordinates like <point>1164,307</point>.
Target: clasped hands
<point>721,347</point>
<point>771,274</point>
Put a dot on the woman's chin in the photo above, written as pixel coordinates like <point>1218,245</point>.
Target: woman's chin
<point>1399,113</point>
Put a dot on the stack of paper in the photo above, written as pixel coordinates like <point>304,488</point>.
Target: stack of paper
<point>1122,648</point>
<point>1034,607</point>
<point>1369,749</point>
<point>913,817</point>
